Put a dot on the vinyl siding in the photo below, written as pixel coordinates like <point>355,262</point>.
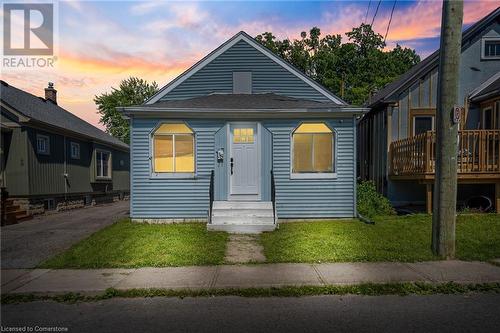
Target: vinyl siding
<point>267,76</point>
<point>313,198</point>
<point>154,197</point>
<point>188,198</point>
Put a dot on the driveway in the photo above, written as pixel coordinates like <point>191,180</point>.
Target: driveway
<point>27,244</point>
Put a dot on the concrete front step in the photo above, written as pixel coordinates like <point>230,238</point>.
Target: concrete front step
<point>242,220</point>
<point>241,228</point>
<point>242,205</point>
<point>243,212</point>
<point>242,217</point>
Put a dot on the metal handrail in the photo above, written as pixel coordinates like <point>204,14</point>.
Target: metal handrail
<point>273,196</point>
<point>211,197</point>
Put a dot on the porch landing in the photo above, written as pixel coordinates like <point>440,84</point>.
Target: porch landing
<point>242,217</point>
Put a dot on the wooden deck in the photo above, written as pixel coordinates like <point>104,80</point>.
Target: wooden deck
<point>478,156</point>
<point>478,159</point>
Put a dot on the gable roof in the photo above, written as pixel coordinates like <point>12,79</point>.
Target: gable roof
<point>268,101</point>
<point>428,63</point>
<point>243,36</point>
<point>48,113</point>
<point>489,88</point>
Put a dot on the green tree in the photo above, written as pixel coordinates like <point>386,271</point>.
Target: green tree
<point>132,91</point>
<point>352,70</point>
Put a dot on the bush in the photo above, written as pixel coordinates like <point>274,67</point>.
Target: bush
<point>370,202</point>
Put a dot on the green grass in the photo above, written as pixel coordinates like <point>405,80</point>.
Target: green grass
<point>127,244</point>
<point>368,289</point>
<point>392,238</point>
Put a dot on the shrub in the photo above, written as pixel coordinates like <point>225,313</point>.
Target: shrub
<point>370,202</point>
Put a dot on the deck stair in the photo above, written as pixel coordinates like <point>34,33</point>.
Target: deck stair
<point>242,216</point>
<point>13,213</point>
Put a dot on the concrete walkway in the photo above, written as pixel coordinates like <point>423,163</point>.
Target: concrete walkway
<point>27,244</point>
<point>243,249</point>
<point>245,276</point>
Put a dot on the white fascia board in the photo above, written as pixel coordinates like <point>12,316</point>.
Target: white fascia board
<point>223,48</point>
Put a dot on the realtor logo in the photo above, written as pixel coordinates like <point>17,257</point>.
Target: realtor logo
<point>28,29</point>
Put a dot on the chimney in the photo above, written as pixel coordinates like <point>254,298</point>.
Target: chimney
<point>51,93</point>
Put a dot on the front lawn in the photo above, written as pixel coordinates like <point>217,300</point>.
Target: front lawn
<point>392,238</point>
<point>127,244</point>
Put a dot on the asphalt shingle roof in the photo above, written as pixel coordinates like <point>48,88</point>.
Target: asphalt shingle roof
<point>243,101</point>
<point>44,111</point>
<point>489,88</point>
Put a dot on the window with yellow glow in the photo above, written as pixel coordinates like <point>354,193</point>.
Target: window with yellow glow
<point>312,149</point>
<point>173,149</point>
<point>243,135</point>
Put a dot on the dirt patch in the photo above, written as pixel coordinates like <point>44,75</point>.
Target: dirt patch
<point>244,249</point>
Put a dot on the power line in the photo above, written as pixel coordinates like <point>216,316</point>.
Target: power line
<point>376,11</point>
<point>367,10</point>
<point>390,20</point>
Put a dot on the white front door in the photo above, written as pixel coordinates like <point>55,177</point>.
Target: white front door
<point>244,161</point>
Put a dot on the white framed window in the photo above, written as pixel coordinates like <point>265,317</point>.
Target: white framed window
<point>490,48</point>
<point>75,150</point>
<point>42,144</point>
<point>103,164</point>
<point>313,151</point>
<point>173,150</point>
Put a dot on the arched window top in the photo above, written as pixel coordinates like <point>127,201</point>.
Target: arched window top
<point>173,149</point>
<point>313,128</point>
<point>313,151</point>
<point>173,128</point>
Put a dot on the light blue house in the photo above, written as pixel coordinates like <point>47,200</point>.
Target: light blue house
<point>242,140</point>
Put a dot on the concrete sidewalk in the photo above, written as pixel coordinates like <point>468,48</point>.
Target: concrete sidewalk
<point>244,276</point>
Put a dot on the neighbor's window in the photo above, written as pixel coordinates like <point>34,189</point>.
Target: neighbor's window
<point>42,144</point>
<point>422,124</point>
<point>491,48</point>
<point>313,146</point>
<point>173,149</point>
<point>75,150</point>
<point>103,164</point>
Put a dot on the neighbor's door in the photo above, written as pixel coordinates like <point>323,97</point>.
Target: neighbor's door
<point>244,161</point>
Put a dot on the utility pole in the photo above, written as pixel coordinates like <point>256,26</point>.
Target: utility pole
<point>445,187</point>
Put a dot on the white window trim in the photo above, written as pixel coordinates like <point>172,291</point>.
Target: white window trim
<point>315,175</point>
<point>110,167</point>
<point>71,145</point>
<point>483,48</point>
<point>47,151</point>
<point>423,116</point>
<point>170,175</point>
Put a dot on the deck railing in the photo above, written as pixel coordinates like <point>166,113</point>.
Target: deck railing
<point>478,153</point>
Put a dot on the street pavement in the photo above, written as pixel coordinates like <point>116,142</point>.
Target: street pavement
<point>432,313</point>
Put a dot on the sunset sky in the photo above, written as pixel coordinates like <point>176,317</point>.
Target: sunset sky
<point>101,43</point>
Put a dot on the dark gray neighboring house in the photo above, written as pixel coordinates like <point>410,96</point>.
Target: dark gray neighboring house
<point>51,159</point>
<point>396,139</point>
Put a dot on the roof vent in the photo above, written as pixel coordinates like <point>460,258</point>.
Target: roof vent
<point>51,93</point>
